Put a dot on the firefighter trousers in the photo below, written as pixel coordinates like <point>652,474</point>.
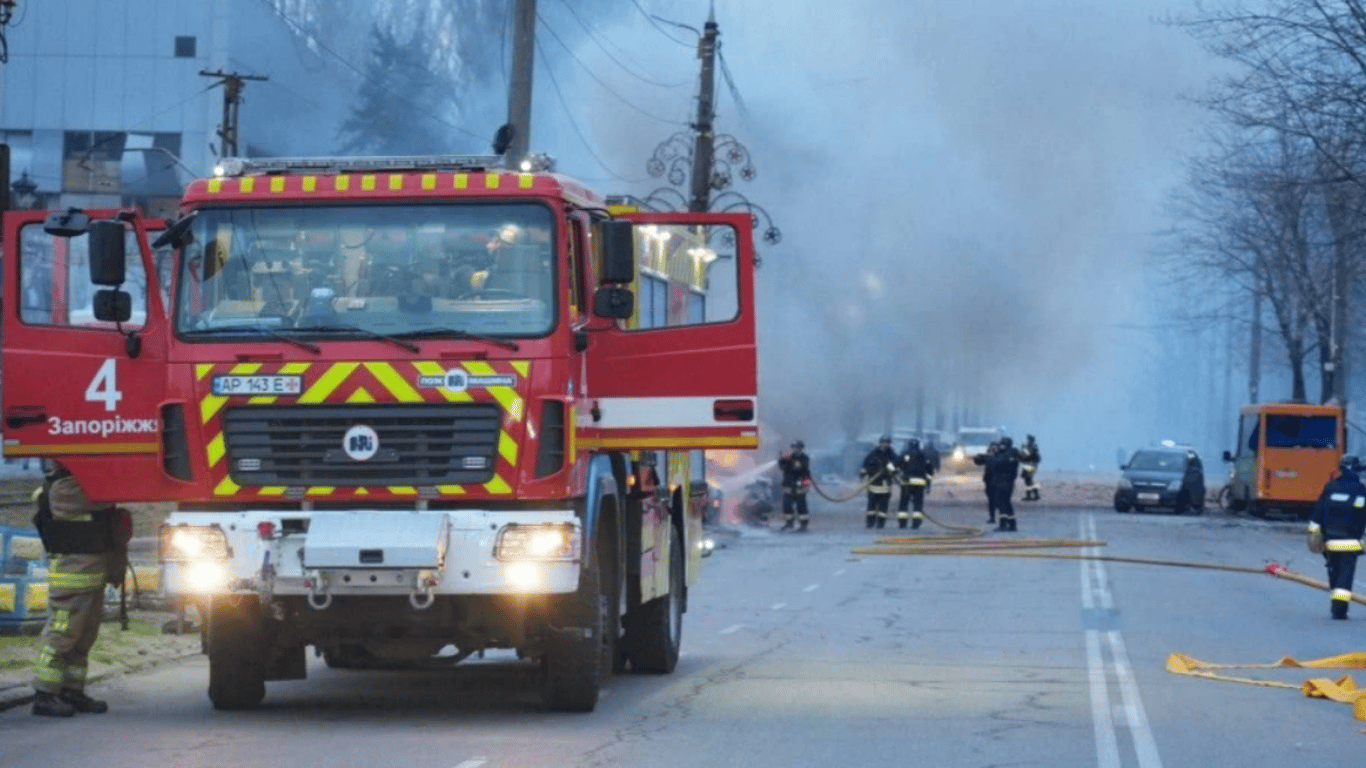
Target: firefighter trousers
<point>1342,567</point>
<point>1000,501</point>
<point>912,497</point>
<point>878,501</point>
<point>794,508</point>
<point>73,625</point>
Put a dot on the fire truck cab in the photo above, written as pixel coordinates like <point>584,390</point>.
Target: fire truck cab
<point>400,404</point>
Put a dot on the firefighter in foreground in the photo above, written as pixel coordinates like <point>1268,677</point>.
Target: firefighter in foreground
<point>1029,465</point>
<point>879,467</point>
<point>1335,528</point>
<point>913,471</point>
<point>88,546</point>
<point>796,468</point>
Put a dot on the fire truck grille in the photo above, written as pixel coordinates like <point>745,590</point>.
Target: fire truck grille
<point>331,445</point>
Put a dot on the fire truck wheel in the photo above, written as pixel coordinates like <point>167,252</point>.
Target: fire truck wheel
<point>657,629</point>
<point>236,653</point>
<point>571,665</point>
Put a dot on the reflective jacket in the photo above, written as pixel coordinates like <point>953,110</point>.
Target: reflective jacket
<point>1340,514</point>
<point>796,469</point>
<point>880,465</point>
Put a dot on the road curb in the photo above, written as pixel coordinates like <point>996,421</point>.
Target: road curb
<point>19,695</point>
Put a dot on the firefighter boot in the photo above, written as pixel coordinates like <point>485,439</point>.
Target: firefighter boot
<point>1013,527</point>
<point>871,519</point>
<point>787,525</point>
<point>801,528</point>
<point>882,521</point>
<point>901,522</point>
<point>48,705</point>
<point>1339,610</point>
<point>82,702</point>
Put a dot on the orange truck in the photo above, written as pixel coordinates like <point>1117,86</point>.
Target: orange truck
<point>401,405</point>
<point>1286,452</point>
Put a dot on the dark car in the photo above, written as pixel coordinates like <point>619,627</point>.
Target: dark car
<point>1170,477</point>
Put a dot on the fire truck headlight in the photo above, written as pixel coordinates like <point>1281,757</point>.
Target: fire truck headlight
<point>707,546</point>
<point>959,454</point>
<point>554,541</point>
<point>524,577</point>
<point>206,576</point>
<point>194,543</point>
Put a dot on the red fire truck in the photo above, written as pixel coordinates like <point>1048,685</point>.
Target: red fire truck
<point>401,404</point>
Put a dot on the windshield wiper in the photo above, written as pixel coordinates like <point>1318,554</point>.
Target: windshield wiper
<point>271,332</point>
<point>343,328</point>
<point>459,334</point>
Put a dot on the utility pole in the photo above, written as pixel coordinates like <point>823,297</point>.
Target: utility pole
<point>1254,363</point>
<point>232,83</point>
<point>706,115</point>
<point>519,82</point>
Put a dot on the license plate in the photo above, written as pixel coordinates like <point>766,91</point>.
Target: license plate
<point>1148,498</point>
<point>257,385</point>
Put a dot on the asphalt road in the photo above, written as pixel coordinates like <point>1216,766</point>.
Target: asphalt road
<point>798,653</point>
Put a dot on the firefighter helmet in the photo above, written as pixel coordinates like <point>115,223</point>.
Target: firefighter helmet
<point>798,445</point>
<point>884,440</point>
<point>1006,442</point>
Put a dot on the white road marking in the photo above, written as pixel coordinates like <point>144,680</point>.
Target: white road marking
<point>473,762</point>
<point>779,606</point>
<point>840,572</point>
<point>812,588</point>
<point>732,629</point>
<point>1095,594</point>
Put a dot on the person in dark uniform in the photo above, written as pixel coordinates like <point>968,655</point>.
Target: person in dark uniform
<point>1002,469</point>
<point>878,468</point>
<point>1335,528</point>
<point>796,468</point>
<point>1029,465</point>
<point>932,456</point>
<point>983,460</point>
<point>913,472</point>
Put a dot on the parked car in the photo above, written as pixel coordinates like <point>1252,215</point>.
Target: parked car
<point>1169,476</point>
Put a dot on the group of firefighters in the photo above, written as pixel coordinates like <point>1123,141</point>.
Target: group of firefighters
<point>912,470</point>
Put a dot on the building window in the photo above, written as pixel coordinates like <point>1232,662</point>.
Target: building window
<point>184,47</point>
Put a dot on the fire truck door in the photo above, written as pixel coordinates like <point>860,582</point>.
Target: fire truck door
<point>71,388</point>
<point>681,372</point>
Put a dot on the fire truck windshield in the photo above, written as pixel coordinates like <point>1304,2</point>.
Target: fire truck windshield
<point>469,270</point>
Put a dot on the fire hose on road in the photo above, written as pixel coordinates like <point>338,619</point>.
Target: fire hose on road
<point>968,540</point>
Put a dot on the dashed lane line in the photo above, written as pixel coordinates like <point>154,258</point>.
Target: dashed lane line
<point>812,588</point>
<point>732,629</point>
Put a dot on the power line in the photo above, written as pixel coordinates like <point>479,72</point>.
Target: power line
<point>730,85</point>
<point>650,18</point>
<point>592,34</point>
<point>550,72</point>
<point>599,80</point>
<point>323,46</point>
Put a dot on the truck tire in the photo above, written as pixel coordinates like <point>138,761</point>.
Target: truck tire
<point>657,626</point>
<point>572,662</point>
<point>237,678</point>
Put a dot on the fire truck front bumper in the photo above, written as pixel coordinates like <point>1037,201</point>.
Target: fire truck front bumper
<point>326,554</point>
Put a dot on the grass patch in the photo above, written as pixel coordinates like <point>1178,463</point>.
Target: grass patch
<point>115,647</point>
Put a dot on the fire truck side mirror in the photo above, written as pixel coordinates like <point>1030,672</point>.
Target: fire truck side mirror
<point>113,306</point>
<point>107,254</point>
<point>618,253</point>
<point>617,303</point>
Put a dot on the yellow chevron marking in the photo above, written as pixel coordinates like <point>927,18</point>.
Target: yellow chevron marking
<point>309,183</point>
<point>216,449</point>
<point>320,490</point>
<point>394,382</point>
<point>491,180</point>
<point>367,182</point>
<point>342,183</point>
<point>395,182</point>
<point>461,180</point>
<point>525,180</point>
<point>273,490</point>
<point>227,487</point>
<point>277,183</point>
<point>328,383</point>
<point>429,181</point>
<point>362,492</point>
<point>497,485</point>
<point>361,395</point>
<point>451,489</point>
<point>507,448</point>
<point>572,416</point>
<point>215,186</point>
<point>428,368</point>
<point>201,370</point>
<point>522,368</point>
<point>403,490</point>
<point>247,184</point>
